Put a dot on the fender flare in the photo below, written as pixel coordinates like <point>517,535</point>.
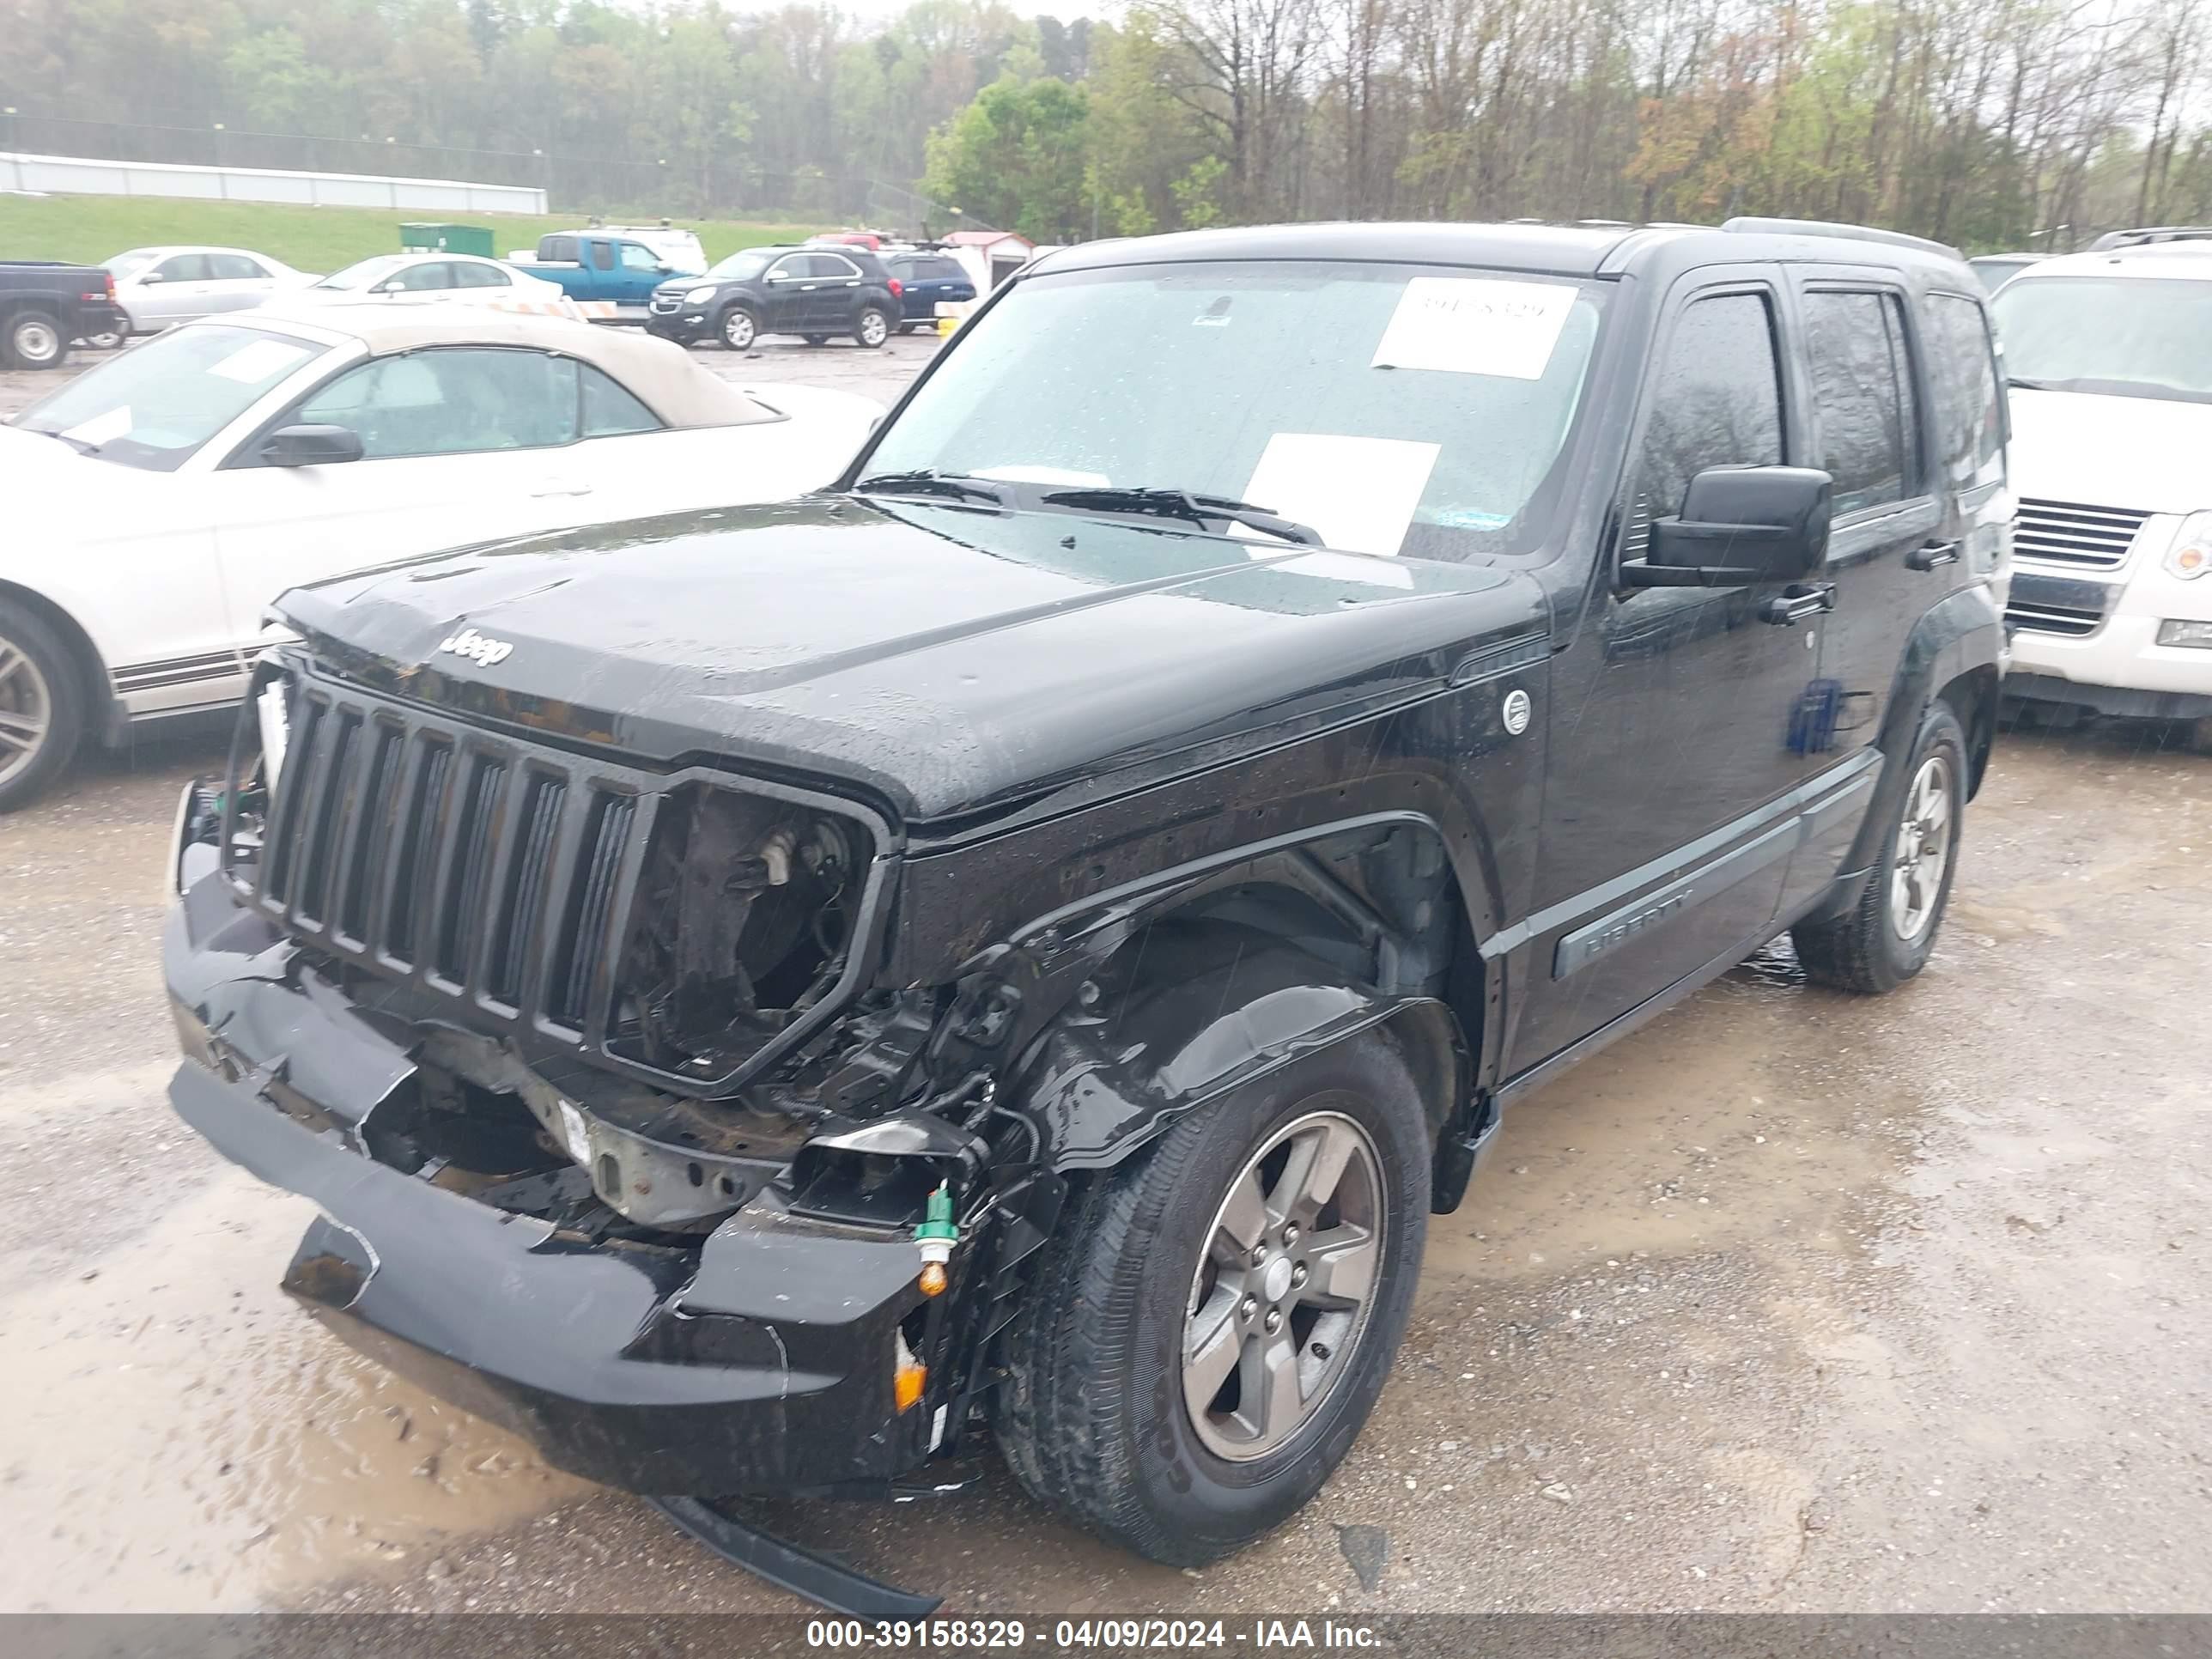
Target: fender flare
<point>1211,1007</point>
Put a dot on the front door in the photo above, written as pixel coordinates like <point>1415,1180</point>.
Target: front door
<point>787,290</point>
<point>1669,815</point>
<point>175,291</point>
<point>460,444</point>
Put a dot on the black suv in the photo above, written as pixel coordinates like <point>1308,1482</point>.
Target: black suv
<point>814,292</point>
<point>1022,942</point>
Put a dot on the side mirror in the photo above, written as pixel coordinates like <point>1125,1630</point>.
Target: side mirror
<point>151,277</point>
<point>310,445</point>
<point>665,269</point>
<point>1738,526</point>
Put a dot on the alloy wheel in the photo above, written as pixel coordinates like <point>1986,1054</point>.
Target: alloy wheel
<point>27,710</point>
<point>1923,849</point>
<point>737,331</point>
<point>873,329</point>
<point>1282,1292</point>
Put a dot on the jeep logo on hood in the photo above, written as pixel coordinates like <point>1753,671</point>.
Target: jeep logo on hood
<point>480,649</point>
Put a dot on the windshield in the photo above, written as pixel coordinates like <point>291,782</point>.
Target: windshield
<point>741,267</point>
<point>2141,337</point>
<point>129,265</point>
<point>1391,409</point>
<point>156,404</point>
<point>367,273</point>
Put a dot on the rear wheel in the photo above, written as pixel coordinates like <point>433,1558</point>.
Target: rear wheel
<point>1211,1324</point>
<point>874,328</point>
<point>816,339</point>
<point>1886,937</point>
<point>739,328</point>
<point>33,339</point>
<point>2200,734</point>
<point>106,340</point>
<point>41,710</point>
<point>906,328</point>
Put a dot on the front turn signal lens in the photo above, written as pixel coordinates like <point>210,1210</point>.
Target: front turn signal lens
<point>2191,555</point>
<point>907,1384</point>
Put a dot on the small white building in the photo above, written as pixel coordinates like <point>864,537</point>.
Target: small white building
<point>989,256</point>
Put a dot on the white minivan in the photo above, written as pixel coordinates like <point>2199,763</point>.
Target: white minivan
<point>2109,356</point>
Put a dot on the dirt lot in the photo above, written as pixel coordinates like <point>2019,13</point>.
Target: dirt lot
<point>1789,1301</point>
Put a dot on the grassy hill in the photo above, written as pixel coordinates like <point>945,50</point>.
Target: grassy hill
<point>87,229</point>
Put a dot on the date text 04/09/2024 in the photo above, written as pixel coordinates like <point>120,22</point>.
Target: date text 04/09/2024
<point>1071,1634</point>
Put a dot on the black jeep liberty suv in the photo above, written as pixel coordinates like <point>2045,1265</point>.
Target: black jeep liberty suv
<point>1021,942</point>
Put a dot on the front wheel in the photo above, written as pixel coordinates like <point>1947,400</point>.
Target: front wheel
<point>1212,1321</point>
<point>41,712</point>
<point>739,328</point>
<point>33,339</point>
<point>106,340</point>
<point>906,328</point>
<point>816,339</point>
<point>1886,938</point>
<point>875,328</point>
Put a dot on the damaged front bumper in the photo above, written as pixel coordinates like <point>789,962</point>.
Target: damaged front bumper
<point>763,1355</point>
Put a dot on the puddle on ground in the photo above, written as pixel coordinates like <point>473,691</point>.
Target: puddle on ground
<point>176,1436</point>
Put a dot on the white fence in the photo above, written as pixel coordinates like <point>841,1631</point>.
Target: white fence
<point>72,175</point>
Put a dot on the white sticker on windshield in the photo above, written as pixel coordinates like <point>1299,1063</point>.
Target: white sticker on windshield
<point>1360,493</point>
<point>101,429</point>
<point>1475,326</point>
<point>259,361</point>
<point>1069,476</point>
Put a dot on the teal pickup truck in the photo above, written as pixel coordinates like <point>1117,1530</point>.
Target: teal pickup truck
<point>602,265</point>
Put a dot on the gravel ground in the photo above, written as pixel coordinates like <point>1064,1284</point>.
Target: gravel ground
<point>1789,1301</point>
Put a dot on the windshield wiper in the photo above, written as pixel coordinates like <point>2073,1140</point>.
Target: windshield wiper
<point>930,482</point>
<point>77,444</point>
<point>1200,510</point>
<point>2014,381</point>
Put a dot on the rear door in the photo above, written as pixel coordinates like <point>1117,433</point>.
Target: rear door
<point>237,283</point>
<point>1894,549</point>
<point>830,297</point>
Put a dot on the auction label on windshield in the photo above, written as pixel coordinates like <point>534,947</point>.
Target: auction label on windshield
<point>1475,326</point>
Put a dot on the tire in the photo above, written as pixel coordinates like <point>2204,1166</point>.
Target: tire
<point>1886,938</point>
<point>111,340</point>
<point>33,338</point>
<point>874,326</point>
<point>2200,734</point>
<point>737,328</point>
<point>1095,1419</point>
<point>41,706</point>
<point>906,328</point>
<point>816,339</point>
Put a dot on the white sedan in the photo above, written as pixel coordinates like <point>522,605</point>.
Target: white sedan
<point>416,277</point>
<point>158,502</point>
<point>161,287</point>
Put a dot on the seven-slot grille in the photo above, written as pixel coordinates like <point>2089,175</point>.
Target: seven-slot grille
<point>443,855</point>
<point>2068,533</point>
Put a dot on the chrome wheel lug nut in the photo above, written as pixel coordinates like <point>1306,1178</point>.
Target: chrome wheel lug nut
<point>1248,1307</point>
<point>1290,1235</point>
<point>1297,1276</point>
<point>1274,1321</point>
<point>1259,1255</point>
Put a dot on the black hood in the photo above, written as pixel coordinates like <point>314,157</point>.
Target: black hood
<point>941,658</point>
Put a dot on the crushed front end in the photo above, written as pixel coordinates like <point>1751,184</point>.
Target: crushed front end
<point>613,1141</point>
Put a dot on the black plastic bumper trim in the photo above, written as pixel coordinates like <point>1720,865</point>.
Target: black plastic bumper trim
<point>803,1572</point>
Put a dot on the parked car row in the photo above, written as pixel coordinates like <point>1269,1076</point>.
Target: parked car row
<point>157,502</point>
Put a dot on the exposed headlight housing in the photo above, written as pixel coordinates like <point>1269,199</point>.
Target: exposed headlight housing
<point>2191,555</point>
<point>699,296</point>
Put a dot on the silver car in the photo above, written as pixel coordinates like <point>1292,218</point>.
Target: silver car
<point>160,287</point>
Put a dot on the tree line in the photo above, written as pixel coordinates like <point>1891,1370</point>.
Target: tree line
<point>1986,123</point>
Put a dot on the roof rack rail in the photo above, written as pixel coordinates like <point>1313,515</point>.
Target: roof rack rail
<point>1757,227</point>
<point>2146,235</point>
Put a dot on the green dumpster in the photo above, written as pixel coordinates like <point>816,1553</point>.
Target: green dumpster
<point>447,238</point>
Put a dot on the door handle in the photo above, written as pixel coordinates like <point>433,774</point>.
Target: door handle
<point>1798,601</point>
<point>1930,555</point>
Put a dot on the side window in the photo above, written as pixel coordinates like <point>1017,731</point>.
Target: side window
<point>789,269</point>
<point>1969,409</point>
<point>1716,400</point>
<point>636,256</point>
<point>610,411</point>
<point>1859,381</point>
<point>835,266</point>
<point>452,401</point>
<point>559,251</point>
<point>603,255</point>
<point>421,278</point>
<point>234,268</point>
<point>184,268</point>
<point>468,275</point>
